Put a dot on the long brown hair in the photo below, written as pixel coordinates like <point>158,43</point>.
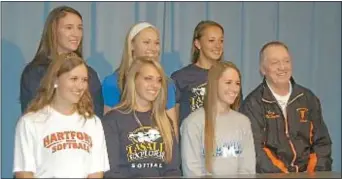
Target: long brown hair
<point>48,41</point>
<point>127,54</point>
<point>210,107</point>
<point>46,92</point>
<point>159,116</point>
<point>198,33</point>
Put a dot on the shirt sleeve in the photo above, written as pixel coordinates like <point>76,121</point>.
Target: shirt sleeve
<point>174,168</point>
<point>177,88</point>
<point>96,92</point>
<point>320,154</point>
<point>111,91</point>
<point>247,160</point>
<point>99,155</point>
<point>24,159</point>
<point>111,132</point>
<point>171,95</point>
<point>29,83</point>
<point>191,145</point>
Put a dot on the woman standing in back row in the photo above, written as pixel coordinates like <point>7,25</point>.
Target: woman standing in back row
<point>62,33</point>
<point>190,81</point>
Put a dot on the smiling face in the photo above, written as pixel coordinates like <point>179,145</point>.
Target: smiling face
<point>276,65</point>
<point>228,87</point>
<point>146,43</point>
<point>72,85</point>
<point>69,33</point>
<point>210,43</point>
<point>147,85</point>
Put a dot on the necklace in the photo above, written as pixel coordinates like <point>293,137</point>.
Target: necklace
<point>137,119</point>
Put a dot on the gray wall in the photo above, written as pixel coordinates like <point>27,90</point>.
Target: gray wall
<point>311,29</point>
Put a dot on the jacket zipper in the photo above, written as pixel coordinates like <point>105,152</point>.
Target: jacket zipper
<point>287,132</point>
<point>287,128</point>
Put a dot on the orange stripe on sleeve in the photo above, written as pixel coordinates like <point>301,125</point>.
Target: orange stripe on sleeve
<point>313,157</point>
<point>311,132</point>
<point>278,163</point>
<point>312,163</point>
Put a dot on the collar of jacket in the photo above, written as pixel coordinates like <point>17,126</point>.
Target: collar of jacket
<point>267,95</point>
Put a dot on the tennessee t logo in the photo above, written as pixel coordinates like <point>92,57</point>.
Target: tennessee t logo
<point>302,114</point>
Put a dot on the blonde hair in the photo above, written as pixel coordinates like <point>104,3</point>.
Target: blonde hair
<point>210,107</point>
<point>46,92</point>
<point>198,33</point>
<point>159,116</point>
<point>127,55</point>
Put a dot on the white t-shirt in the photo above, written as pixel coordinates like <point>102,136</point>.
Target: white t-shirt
<point>51,144</point>
<point>282,100</point>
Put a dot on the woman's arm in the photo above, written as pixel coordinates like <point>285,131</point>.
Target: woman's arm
<point>111,132</point>
<point>24,175</point>
<point>191,148</point>
<point>99,156</point>
<point>96,175</point>
<point>24,161</point>
<point>171,107</point>
<point>111,93</point>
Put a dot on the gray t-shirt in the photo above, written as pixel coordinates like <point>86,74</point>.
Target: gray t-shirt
<point>190,84</point>
<point>234,151</point>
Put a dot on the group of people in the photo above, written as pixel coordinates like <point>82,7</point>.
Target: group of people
<point>140,123</point>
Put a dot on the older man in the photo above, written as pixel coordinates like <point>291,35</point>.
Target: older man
<point>289,132</point>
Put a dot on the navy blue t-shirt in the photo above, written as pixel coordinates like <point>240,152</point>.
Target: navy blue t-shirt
<point>190,83</point>
<point>136,150</point>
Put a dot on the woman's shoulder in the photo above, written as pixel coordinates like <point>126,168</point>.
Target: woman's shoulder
<point>195,117</point>
<point>117,114</point>
<point>241,118</point>
<point>111,80</point>
<point>37,116</point>
<point>180,73</point>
